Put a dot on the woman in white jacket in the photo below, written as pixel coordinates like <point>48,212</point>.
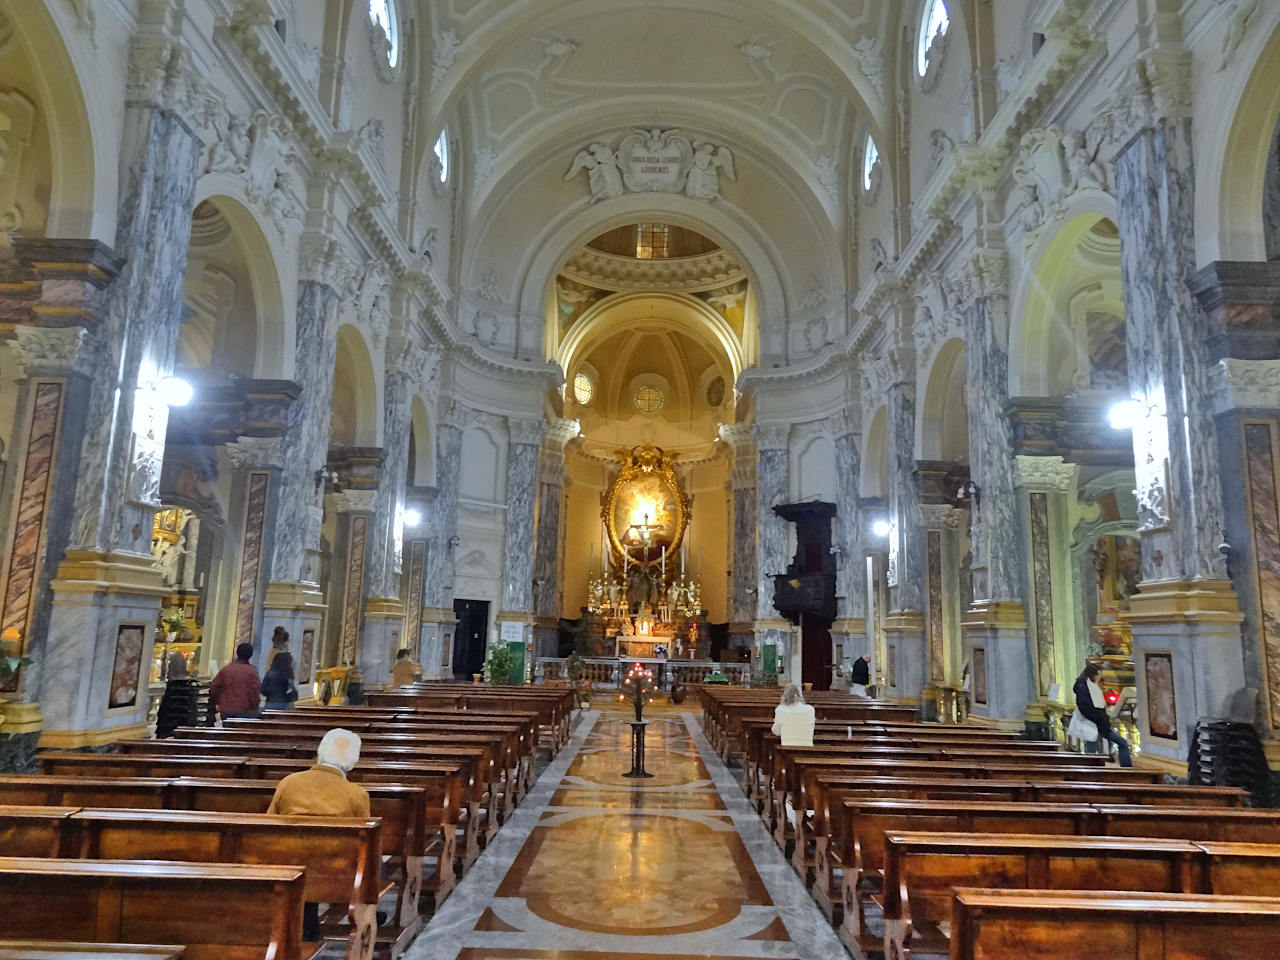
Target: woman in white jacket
<point>793,719</point>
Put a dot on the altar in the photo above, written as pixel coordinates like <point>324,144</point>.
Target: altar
<point>657,647</point>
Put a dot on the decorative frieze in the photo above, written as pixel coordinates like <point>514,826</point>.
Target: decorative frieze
<point>354,501</point>
<point>1250,384</point>
<point>250,452</point>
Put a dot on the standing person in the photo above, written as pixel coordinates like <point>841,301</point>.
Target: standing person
<point>793,719</point>
<point>233,694</point>
<point>406,669</point>
<point>323,791</point>
<point>860,677</point>
<point>278,686</point>
<point>1092,706</point>
<point>279,643</point>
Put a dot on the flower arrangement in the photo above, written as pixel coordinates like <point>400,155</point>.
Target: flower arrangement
<point>171,621</point>
<point>637,687</point>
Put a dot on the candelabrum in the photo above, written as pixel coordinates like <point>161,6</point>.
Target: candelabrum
<point>637,687</point>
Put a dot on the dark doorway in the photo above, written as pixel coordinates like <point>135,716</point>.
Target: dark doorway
<point>815,642</point>
<point>469,637</point>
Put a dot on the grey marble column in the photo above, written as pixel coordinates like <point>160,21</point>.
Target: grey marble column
<point>442,525</point>
<point>772,488</point>
<point>548,571</point>
<point>1185,617</point>
<point>522,488</point>
<point>906,542</point>
<point>387,533</point>
<point>742,490</point>
<point>100,642</point>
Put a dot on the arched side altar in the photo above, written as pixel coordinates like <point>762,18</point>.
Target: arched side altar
<point>644,598</point>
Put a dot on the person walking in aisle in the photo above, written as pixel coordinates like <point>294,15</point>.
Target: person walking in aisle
<point>233,694</point>
<point>278,686</point>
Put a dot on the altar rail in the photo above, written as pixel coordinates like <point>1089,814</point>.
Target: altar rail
<point>607,672</point>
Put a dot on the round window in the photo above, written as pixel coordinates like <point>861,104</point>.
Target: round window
<point>715,392</point>
<point>442,154</point>
<point>649,399</point>
<point>934,24</point>
<point>583,389</point>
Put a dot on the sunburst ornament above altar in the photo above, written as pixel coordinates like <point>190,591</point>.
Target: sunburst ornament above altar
<point>646,509</point>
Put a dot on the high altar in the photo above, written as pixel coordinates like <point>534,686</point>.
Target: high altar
<point>647,604</point>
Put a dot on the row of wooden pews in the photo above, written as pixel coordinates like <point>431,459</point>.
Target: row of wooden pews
<point>925,839</point>
<point>168,841</point>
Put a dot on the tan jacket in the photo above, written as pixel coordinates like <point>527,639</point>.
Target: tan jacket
<point>404,671</point>
<point>319,792</point>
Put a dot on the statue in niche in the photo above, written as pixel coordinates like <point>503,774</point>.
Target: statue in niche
<point>603,173</point>
<point>703,180</point>
<point>640,587</point>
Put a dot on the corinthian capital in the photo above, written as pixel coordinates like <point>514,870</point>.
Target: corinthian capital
<point>324,261</point>
<point>53,349</point>
<point>771,436</point>
<point>525,431</point>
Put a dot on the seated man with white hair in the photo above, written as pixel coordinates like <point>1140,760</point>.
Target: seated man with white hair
<point>324,790</point>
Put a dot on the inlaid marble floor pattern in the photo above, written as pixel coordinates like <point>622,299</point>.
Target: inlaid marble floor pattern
<point>594,865</point>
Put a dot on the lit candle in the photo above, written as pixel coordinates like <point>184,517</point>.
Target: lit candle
<point>664,561</point>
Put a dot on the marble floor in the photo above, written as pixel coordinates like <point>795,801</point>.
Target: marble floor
<point>594,865</point>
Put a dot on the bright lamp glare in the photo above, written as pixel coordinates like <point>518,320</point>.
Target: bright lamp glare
<point>1124,415</point>
<point>412,518</point>
<point>881,528</point>
<point>174,391</point>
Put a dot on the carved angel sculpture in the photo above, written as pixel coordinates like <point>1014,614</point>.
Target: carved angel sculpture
<point>603,173</point>
<point>703,182</point>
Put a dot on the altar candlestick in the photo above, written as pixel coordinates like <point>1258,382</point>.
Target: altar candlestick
<point>664,561</point>
<point>591,561</point>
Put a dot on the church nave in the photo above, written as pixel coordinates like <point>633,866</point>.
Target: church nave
<point>593,865</point>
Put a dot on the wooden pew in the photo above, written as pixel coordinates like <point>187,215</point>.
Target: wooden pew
<point>1035,925</point>
<point>922,869</point>
<point>859,828</point>
<point>53,950</point>
<point>156,902</point>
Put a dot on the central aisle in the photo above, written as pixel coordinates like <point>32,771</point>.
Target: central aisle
<point>594,865</point>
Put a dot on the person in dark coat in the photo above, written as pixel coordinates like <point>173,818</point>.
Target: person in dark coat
<point>860,676</point>
<point>278,686</point>
<point>234,691</point>
<point>1092,707</point>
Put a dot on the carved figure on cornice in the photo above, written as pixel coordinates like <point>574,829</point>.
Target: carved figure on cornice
<point>269,149</point>
<point>703,181</point>
<point>443,56</point>
<point>940,145</point>
<point>324,261</point>
<point>1027,198</point>
<point>371,136</point>
<point>1238,20</point>
<point>1083,167</point>
<point>603,174</point>
<point>728,299</point>
<point>879,255</point>
<point>1008,73</point>
<point>230,152</point>
<point>280,204</point>
<point>928,330</point>
<point>815,334</point>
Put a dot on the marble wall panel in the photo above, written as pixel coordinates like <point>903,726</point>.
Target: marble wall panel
<point>1264,526</point>
<point>443,525</point>
<point>1042,587</point>
<point>906,546</point>
<point>416,562</point>
<point>934,621</point>
<point>772,553</point>
<point>353,590</point>
<point>387,527</point>
<point>546,562</point>
<point>744,554</point>
<point>258,488</point>
<point>27,546</point>
<point>851,574</point>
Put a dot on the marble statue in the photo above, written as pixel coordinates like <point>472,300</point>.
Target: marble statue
<point>603,173</point>
<point>703,180</point>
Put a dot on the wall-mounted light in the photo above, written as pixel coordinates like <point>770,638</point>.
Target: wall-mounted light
<point>323,475</point>
<point>1124,415</point>
<point>411,518</point>
<point>174,391</point>
<point>881,528</point>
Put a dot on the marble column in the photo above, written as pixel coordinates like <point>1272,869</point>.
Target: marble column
<point>548,570</point>
<point>349,575</point>
<point>772,489</point>
<point>742,489</point>
<point>438,620</point>
<point>293,596</point>
<point>850,627</point>
<point>995,625</point>
<point>1185,617</point>
<point>942,606</point>
<point>1046,491</point>
<point>107,593</point>
<point>1242,305</point>
<point>525,441</point>
<point>384,619</point>
<point>904,623</point>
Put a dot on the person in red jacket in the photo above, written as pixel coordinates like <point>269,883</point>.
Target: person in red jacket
<point>234,691</point>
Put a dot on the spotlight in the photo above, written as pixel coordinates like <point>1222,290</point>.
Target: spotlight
<point>881,528</point>
<point>174,391</point>
<point>412,518</point>
<point>1124,415</point>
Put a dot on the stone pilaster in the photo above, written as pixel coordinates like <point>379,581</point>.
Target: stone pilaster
<point>293,597</point>
<point>772,487</point>
<point>548,571</point>
<point>39,480</point>
<point>850,627</point>
<point>1185,616</point>
<point>943,607</point>
<point>525,438</point>
<point>348,579</point>
<point>995,626</point>
<point>106,596</point>
<point>1046,489</point>
<point>442,523</point>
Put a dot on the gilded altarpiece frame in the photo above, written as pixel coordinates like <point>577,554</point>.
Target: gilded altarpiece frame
<point>1260,443</point>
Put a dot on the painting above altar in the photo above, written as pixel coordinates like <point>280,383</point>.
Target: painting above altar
<point>645,510</point>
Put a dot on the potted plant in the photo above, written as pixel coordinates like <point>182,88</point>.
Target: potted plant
<point>497,666</point>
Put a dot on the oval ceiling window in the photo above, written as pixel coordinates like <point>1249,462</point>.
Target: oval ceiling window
<point>649,399</point>
<point>870,157</point>
<point>442,154</point>
<point>383,13</point>
<point>934,23</point>
<point>583,389</point>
